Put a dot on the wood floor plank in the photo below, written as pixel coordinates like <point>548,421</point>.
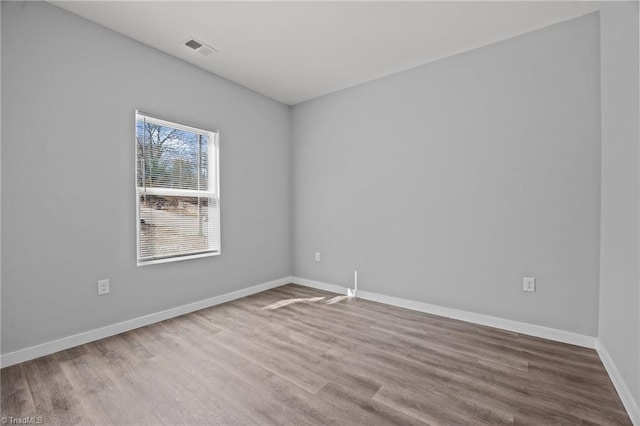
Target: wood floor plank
<point>15,396</point>
<point>288,357</point>
<point>293,370</point>
<point>355,407</point>
<point>53,395</point>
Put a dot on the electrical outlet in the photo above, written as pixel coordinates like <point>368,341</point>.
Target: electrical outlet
<point>103,287</point>
<point>317,256</point>
<point>529,284</point>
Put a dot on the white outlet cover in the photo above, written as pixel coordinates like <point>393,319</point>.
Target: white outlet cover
<point>317,256</point>
<point>103,287</point>
<point>529,284</point>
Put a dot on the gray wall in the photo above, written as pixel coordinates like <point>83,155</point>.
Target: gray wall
<point>619,328</point>
<point>69,91</point>
<point>449,182</point>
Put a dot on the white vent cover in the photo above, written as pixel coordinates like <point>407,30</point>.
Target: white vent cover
<point>200,47</point>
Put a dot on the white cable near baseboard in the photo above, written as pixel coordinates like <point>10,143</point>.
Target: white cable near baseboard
<point>352,293</point>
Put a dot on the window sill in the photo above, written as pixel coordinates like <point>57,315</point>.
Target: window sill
<point>177,258</point>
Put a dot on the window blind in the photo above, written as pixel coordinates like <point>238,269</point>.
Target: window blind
<point>176,189</point>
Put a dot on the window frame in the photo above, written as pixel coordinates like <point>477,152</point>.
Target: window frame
<point>213,192</point>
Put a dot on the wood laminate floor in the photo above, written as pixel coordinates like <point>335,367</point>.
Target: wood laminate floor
<point>299,356</point>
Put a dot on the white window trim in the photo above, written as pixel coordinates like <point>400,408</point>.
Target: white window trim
<point>213,152</point>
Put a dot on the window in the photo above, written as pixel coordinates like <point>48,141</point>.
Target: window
<point>177,191</point>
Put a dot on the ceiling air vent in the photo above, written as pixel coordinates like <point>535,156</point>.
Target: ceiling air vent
<point>198,46</point>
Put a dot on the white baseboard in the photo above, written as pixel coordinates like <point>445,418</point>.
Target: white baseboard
<point>619,383</point>
<point>490,321</point>
<point>47,348</point>
<point>505,324</point>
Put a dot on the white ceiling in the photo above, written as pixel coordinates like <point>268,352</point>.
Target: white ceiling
<point>295,51</point>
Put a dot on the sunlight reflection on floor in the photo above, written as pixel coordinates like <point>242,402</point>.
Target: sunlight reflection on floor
<point>336,299</point>
<point>287,302</point>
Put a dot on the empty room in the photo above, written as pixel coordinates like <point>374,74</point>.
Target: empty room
<point>314,213</point>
